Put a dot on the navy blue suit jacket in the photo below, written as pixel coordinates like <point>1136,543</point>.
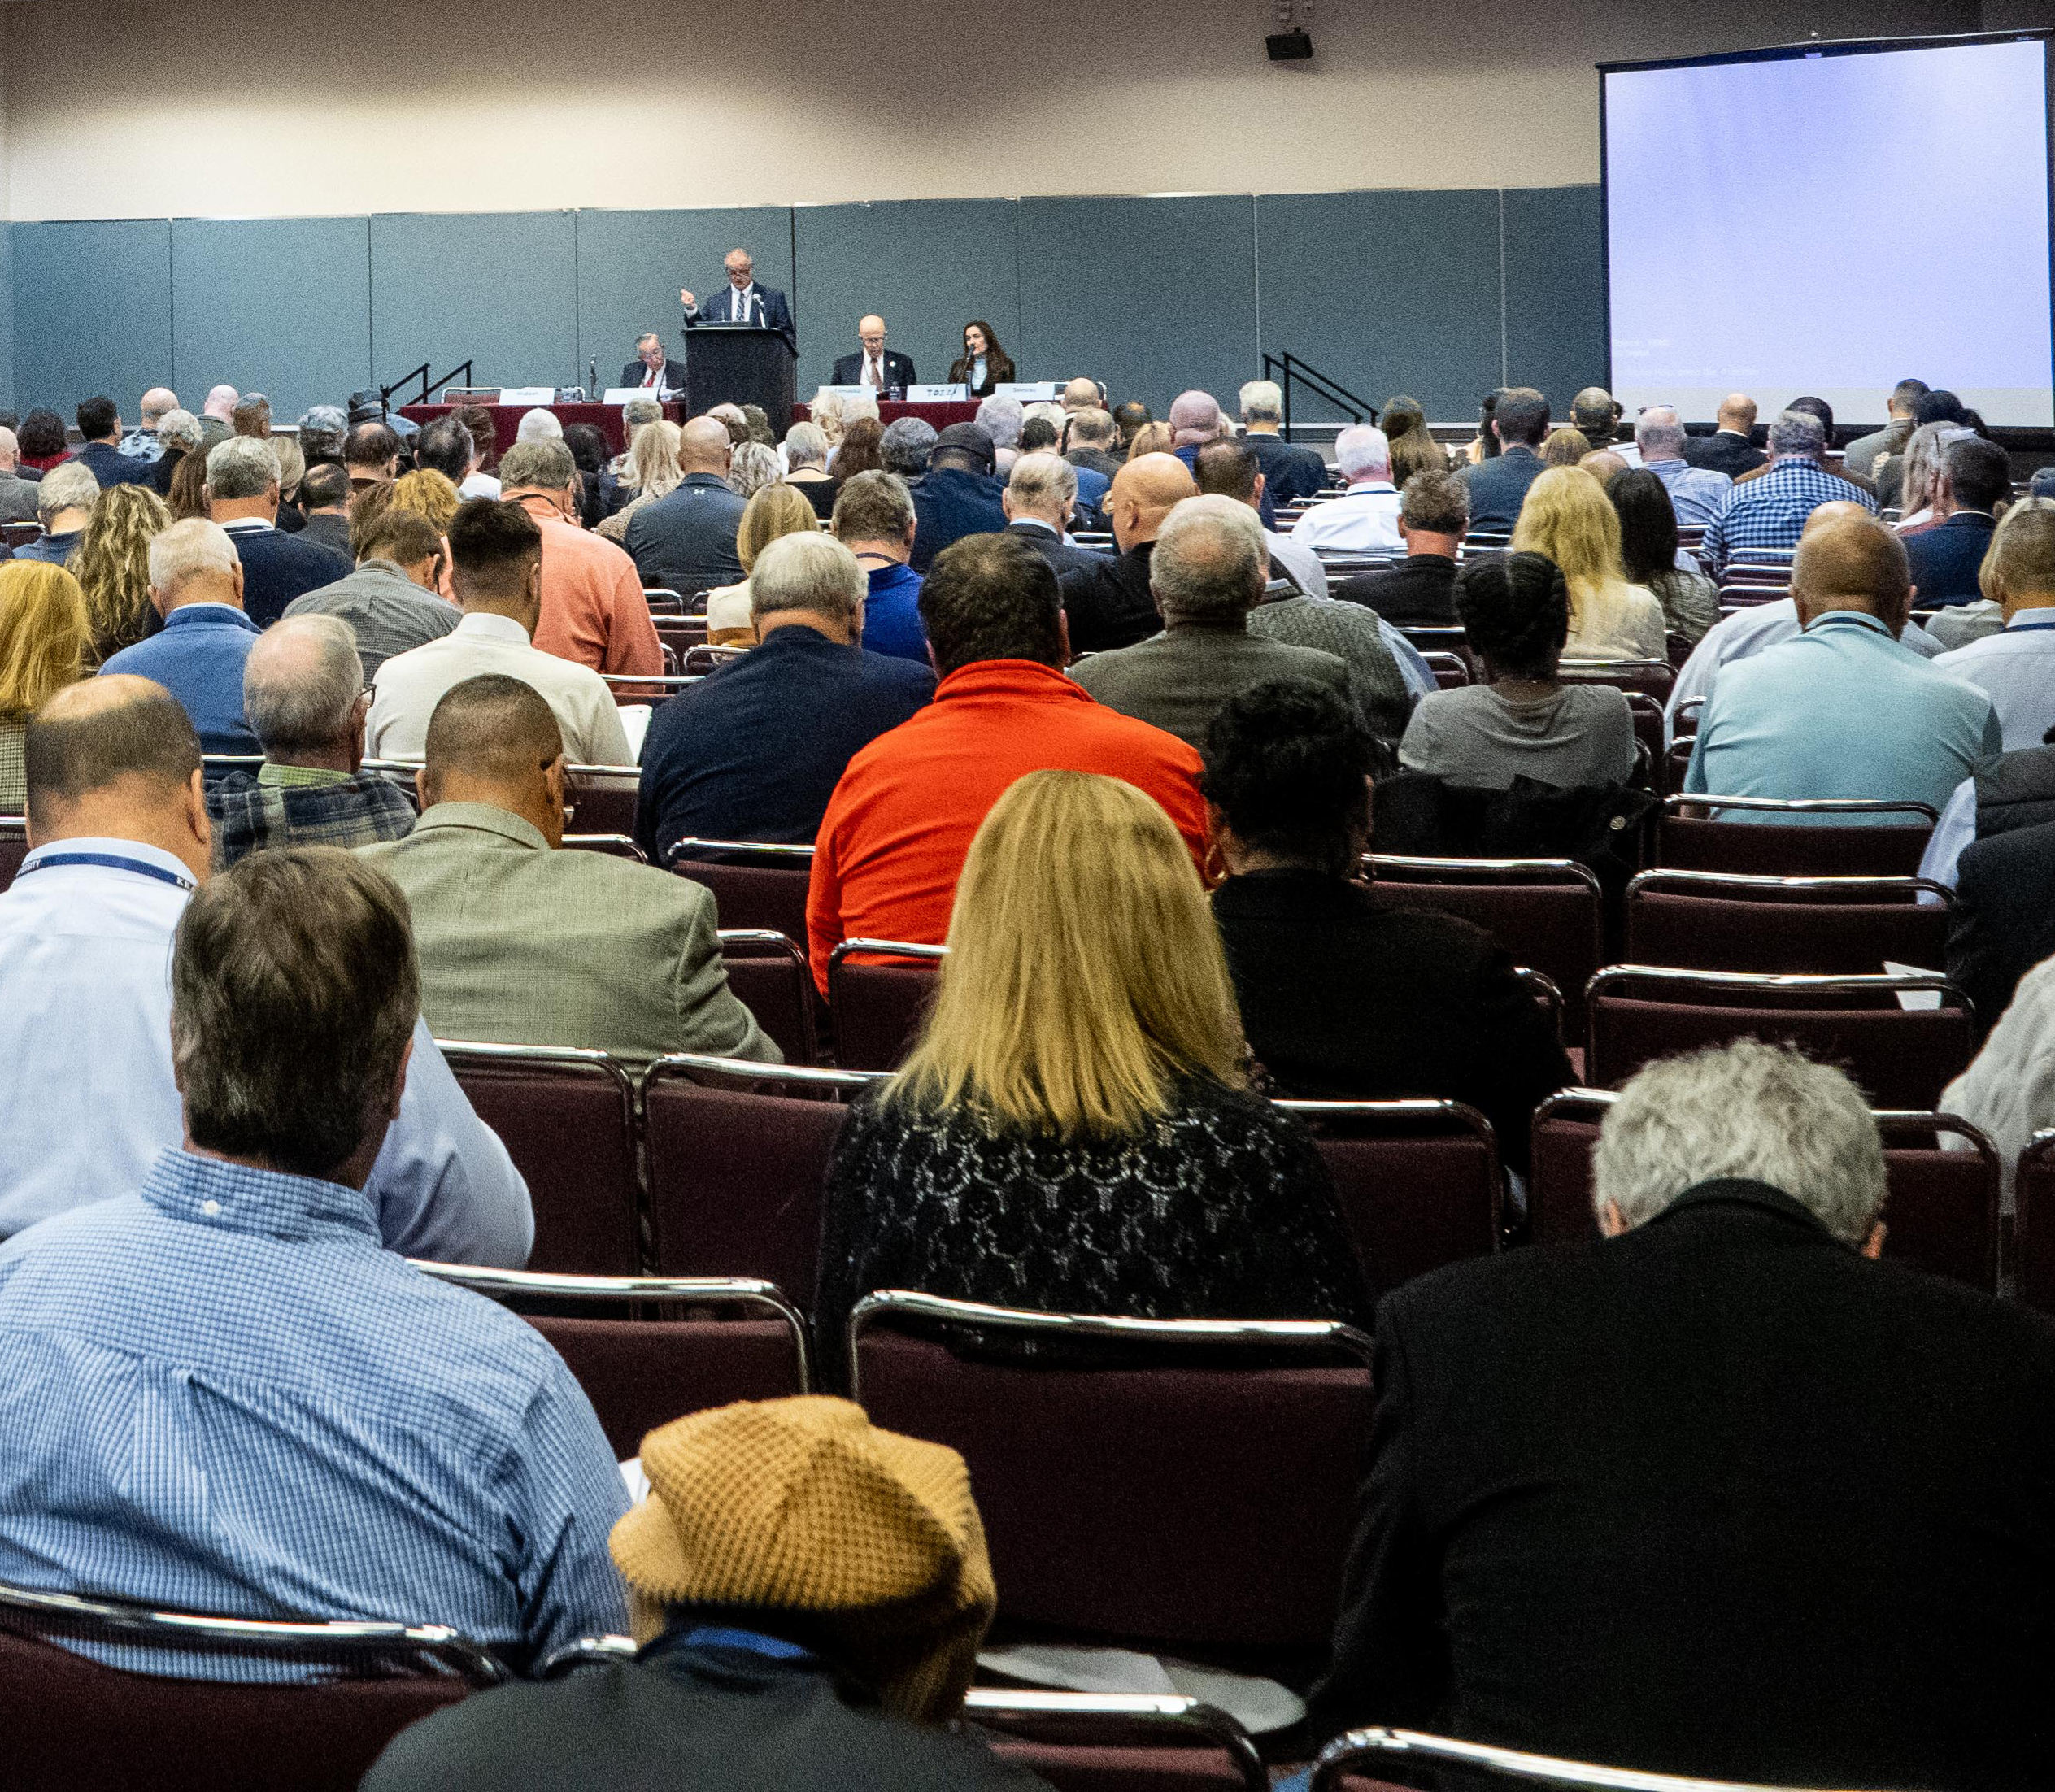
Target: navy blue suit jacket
<point>950,504</point>
<point>277,567</point>
<point>1499,487</point>
<point>755,752</point>
<point>777,315</point>
<point>1944,559</point>
<point>112,466</point>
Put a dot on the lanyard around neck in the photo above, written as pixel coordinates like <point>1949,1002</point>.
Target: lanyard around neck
<point>112,861</point>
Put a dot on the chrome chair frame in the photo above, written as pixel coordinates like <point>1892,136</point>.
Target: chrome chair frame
<point>1351,1751</point>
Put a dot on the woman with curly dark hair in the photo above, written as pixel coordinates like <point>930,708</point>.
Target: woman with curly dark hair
<point>42,439</point>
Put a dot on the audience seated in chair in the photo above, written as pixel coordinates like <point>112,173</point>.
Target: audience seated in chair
<point>775,511</point>
<point>17,494</point>
<point>1567,518</point>
<point>1769,511</point>
<point>1207,574</point>
<point>44,645</point>
<point>1290,470</point>
<point>1419,591</point>
<point>2015,668</point>
<point>594,611</point>
<point>390,603</point>
<point>1228,468</point>
<point>1976,479</point>
<point>1073,1130</point>
<point>755,752</point>
<point>1697,494</point>
<point>1651,560</point>
<point>685,542</point>
<point>875,518</point>
<point>959,495</point>
<point>496,572</point>
<point>324,495</point>
<point>64,499</point>
<point>1646,1499</point>
<point>242,498</point>
<point>1343,998</point>
<point>1844,709</point>
<point>1522,721</point>
<point>303,692</point>
<point>1364,519</point>
<point>1040,497</point>
<point>895,835</point>
<point>223,1393</point>
<point>1111,605</point>
<point>1497,484</point>
<point>809,1593</point>
<point>524,944</point>
<point>648,471</point>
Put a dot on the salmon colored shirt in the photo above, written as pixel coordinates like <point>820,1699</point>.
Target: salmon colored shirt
<point>897,827</point>
<point>594,611</point>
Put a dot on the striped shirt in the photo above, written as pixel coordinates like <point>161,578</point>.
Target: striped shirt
<point>222,1394</point>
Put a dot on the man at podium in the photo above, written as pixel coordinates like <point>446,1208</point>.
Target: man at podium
<point>742,300</point>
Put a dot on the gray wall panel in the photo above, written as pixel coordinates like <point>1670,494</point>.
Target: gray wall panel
<point>927,266</point>
<point>280,306</point>
<point>632,263</point>
<point>92,311</point>
<point>498,288</point>
<point>1150,296</point>
<point>1385,293</point>
<point>1555,290</point>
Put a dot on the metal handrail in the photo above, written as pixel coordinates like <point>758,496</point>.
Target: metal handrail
<point>385,392</point>
<point>1361,410</point>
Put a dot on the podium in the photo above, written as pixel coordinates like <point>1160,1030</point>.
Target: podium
<point>737,363</point>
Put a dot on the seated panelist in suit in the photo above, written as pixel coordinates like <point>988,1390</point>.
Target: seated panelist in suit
<point>653,369</point>
<point>874,364</point>
<point>742,300</point>
<point>983,366</point>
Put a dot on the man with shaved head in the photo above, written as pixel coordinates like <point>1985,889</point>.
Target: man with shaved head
<point>1730,449</point>
<point>140,443</point>
<point>1112,606</point>
<point>119,837</point>
<point>524,944</point>
<point>218,416</point>
<point>303,692</point>
<point>496,571</point>
<point>881,370</point>
<point>1843,709</point>
<point>685,541</point>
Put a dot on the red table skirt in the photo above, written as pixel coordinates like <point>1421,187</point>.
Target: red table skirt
<point>941,414</point>
<point>507,419</point>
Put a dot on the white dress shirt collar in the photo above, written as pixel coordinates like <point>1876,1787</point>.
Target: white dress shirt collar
<point>486,625</point>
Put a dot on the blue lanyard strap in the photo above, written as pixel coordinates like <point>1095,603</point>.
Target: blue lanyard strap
<point>2027,628</point>
<point>755,1642</point>
<point>112,861</point>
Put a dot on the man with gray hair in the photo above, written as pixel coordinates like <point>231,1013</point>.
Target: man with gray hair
<point>1594,413</point>
<point>242,497</point>
<point>321,431</point>
<point>140,443</point>
<point>1290,471</point>
<point>755,752</point>
<point>905,446</point>
<point>539,424</point>
<point>1789,1501</point>
<point>1041,494</point>
<point>1092,434</point>
<point>1364,519</point>
<point>1001,418</point>
<point>303,692</point>
<point>196,585</point>
<point>17,494</point>
<point>178,435</point>
<point>1769,511</point>
<point>1208,573</point>
<point>64,500</point>
<point>875,520</point>
<point>1697,494</point>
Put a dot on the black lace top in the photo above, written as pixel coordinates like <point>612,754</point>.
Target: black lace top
<point>1221,1209</point>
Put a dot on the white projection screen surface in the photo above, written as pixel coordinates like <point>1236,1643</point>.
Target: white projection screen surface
<point>1830,220</point>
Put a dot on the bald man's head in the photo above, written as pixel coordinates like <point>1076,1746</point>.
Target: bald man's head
<point>1737,413</point>
<point>1852,563</point>
<point>1082,394</point>
<point>494,740</point>
<point>105,750</point>
<point>1841,510</point>
<point>705,446</point>
<point>1143,493</point>
<point>1603,465</point>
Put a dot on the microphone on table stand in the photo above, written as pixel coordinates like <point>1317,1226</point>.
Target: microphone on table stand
<point>594,387</point>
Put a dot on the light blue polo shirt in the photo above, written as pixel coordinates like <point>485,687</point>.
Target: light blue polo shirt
<point>1841,710</point>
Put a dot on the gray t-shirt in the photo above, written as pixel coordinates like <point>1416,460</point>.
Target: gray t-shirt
<point>1579,734</point>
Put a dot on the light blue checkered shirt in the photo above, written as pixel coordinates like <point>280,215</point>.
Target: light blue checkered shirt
<point>223,1395</point>
<point>1771,513</point>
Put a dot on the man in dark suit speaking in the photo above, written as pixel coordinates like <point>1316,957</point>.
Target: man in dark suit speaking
<point>742,300</point>
<point>874,364</point>
<point>652,369</point>
<point>1717,1494</point>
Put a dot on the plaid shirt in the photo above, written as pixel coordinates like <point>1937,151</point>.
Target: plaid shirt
<point>288,805</point>
<point>221,1394</point>
<point>1771,513</point>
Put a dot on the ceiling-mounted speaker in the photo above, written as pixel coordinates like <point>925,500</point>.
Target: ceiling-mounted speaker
<point>1289,46</point>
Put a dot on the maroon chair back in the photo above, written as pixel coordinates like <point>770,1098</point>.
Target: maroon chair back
<point>736,1170</point>
<point>753,894</point>
<point>1899,1058</point>
<point>1650,678</point>
<point>1858,848</point>
<point>1418,1182</point>
<point>74,1723</point>
<point>1144,1503</point>
<point>770,977</point>
<point>2034,1223</point>
<point>878,1007</point>
<point>1705,922</point>
<point>600,804</point>
<point>1548,914</point>
<point>1646,713</point>
<point>568,1120</point>
<point>1940,1214</point>
<point>681,634</point>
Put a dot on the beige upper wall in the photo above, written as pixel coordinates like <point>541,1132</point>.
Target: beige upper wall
<point>156,108</point>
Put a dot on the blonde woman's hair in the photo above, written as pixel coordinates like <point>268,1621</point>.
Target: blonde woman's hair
<point>1151,438</point>
<point>1568,517</point>
<point>775,511</point>
<point>1564,447</point>
<point>1084,975</point>
<point>44,639</point>
<point>428,494</point>
<point>826,413</point>
<point>652,468</point>
<point>112,564</point>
